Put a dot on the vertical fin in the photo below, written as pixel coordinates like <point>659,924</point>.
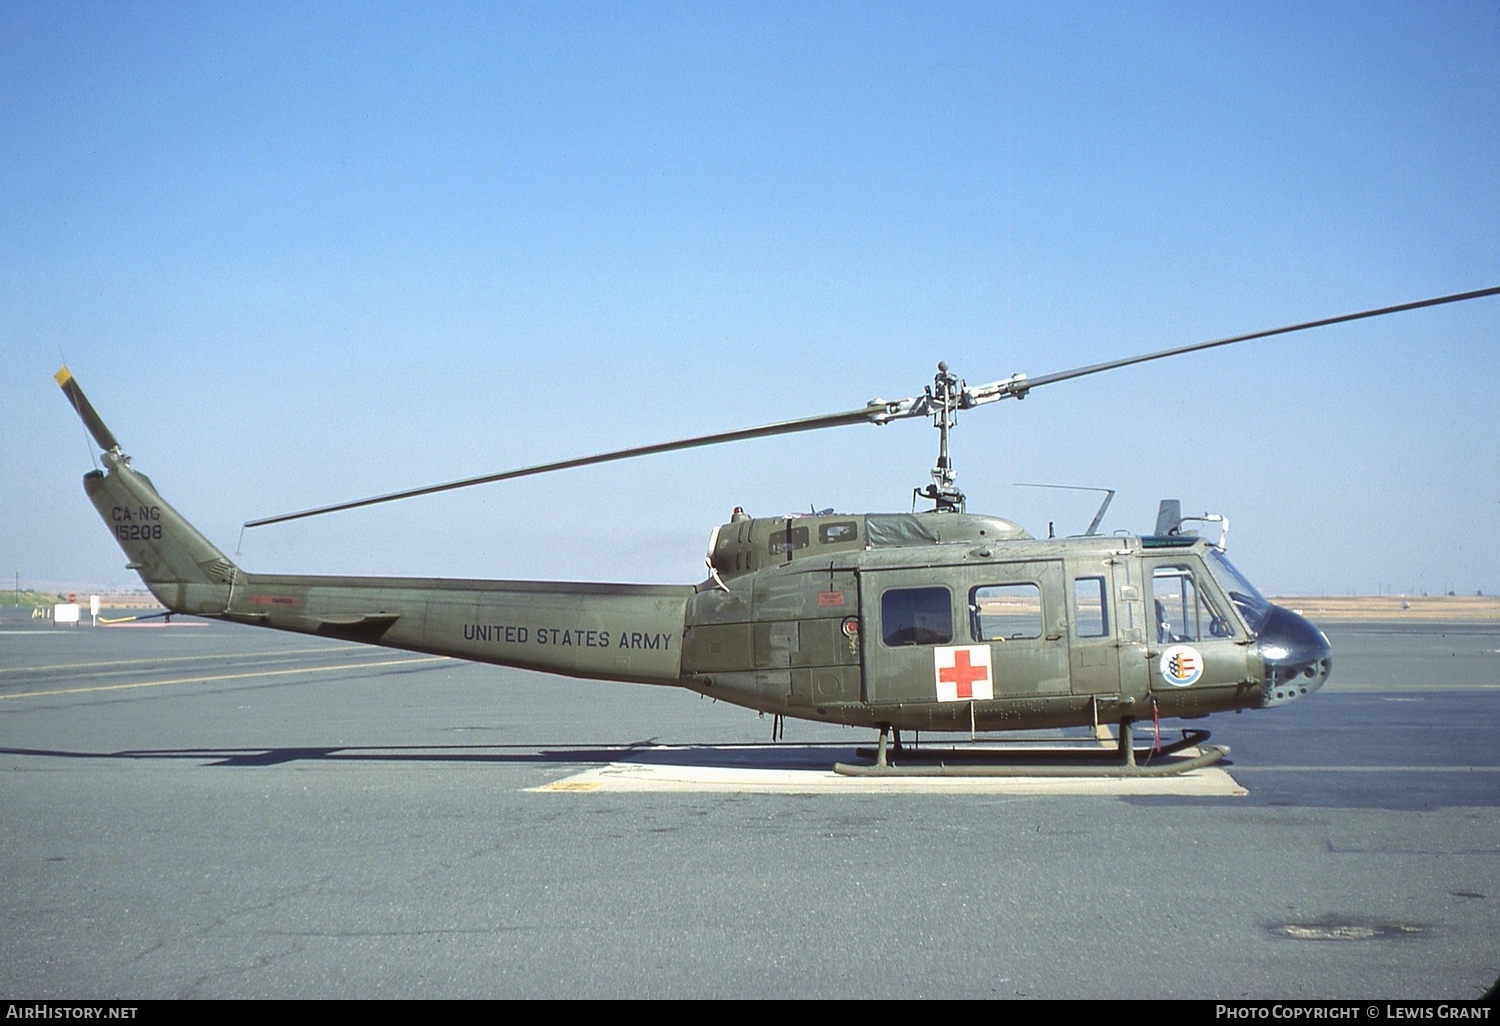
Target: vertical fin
<point>181,567</point>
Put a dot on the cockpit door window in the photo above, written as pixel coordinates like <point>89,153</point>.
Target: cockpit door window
<point>1184,611</point>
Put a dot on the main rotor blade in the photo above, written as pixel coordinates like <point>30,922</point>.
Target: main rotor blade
<point>1028,384</point>
<point>102,434</point>
<point>876,412</point>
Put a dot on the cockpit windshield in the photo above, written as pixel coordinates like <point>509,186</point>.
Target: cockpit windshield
<point>1245,596</point>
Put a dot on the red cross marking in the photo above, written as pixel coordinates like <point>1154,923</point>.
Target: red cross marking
<point>962,674</point>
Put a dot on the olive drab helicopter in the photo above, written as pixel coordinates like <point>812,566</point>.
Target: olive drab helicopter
<point>938,620</point>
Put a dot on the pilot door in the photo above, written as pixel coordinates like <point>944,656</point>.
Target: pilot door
<point>970,633</point>
<point>1192,641</point>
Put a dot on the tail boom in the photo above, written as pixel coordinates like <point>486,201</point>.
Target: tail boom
<point>626,632</point>
<point>608,631</point>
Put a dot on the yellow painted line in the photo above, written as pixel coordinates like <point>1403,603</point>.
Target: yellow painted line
<point>167,659</point>
<point>222,676</point>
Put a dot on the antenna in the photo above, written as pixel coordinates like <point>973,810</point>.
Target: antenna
<point>1109,494</point>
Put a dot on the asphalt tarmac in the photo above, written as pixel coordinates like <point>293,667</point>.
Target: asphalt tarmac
<point>217,811</point>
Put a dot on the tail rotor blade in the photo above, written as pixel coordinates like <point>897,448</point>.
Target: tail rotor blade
<point>86,413</point>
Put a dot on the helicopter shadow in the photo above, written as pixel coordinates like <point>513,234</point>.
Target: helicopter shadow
<point>739,756</point>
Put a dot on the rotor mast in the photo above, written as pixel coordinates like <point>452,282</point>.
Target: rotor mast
<point>942,400</point>
<point>944,397</point>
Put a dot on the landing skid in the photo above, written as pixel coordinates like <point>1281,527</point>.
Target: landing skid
<point>1124,760</point>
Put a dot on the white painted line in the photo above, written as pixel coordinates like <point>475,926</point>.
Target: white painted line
<point>641,778</point>
<point>209,657</point>
<point>1369,769</point>
<point>1368,687</point>
<point>220,676</point>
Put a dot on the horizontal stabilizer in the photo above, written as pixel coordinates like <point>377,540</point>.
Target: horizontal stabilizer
<point>365,627</point>
<point>358,619</point>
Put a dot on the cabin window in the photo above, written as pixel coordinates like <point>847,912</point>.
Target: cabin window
<point>1005,612</point>
<point>831,534</point>
<point>1090,608</point>
<point>916,616</point>
<point>779,546</point>
<point>1184,612</point>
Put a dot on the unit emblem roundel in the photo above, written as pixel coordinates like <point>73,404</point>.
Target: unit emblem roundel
<point>1181,665</point>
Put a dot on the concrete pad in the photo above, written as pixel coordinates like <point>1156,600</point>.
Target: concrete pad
<point>657,777</point>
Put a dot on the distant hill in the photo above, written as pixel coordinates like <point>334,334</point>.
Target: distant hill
<point>1443,608</point>
<point>29,599</point>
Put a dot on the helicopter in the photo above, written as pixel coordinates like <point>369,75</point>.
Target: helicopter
<point>937,620</point>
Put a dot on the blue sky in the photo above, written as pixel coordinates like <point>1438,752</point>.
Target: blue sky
<point>303,253</point>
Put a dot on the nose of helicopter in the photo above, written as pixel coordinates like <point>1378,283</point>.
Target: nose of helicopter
<point>1296,655</point>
